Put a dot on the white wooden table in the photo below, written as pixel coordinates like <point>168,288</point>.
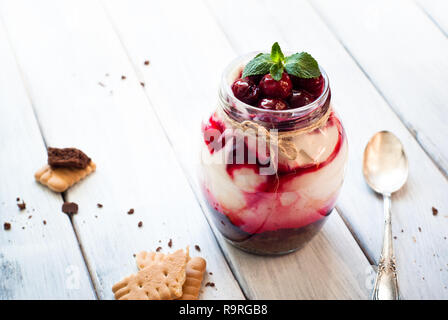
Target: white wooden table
<point>61,67</point>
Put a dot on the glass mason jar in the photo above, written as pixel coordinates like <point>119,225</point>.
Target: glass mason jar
<point>270,177</point>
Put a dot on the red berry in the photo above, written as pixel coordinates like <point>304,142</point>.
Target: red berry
<point>246,90</point>
<point>271,88</point>
<point>272,104</point>
<point>300,98</point>
<point>315,86</point>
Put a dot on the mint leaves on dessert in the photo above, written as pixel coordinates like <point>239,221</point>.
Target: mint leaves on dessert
<point>301,65</point>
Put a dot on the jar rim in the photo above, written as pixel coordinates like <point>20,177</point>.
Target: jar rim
<point>242,60</point>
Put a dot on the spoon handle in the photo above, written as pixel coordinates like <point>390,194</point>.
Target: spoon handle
<point>386,284</point>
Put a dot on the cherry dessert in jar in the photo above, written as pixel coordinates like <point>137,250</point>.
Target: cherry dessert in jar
<point>273,153</point>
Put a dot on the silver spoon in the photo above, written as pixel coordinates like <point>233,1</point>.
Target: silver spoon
<point>385,168</point>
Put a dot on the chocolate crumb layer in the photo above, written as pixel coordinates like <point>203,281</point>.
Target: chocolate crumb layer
<point>67,157</point>
<point>434,211</point>
<point>7,226</point>
<point>70,208</point>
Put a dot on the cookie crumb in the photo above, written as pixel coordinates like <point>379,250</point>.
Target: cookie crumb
<point>44,222</point>
<point>23,228</point>
<point>99,205</point>
<point>146,63</point>
<point>210,284</point>
<point>70,208</point>
<point>142,84</point>
<point>101,84</point>
<point>198,248</point>
<point>402,230</point>
<point>158,249</point>
<point>210,273</point>
<point>17,199</point>
<point>134,255</point>
<point>22,206</point>
<point>123,77</point>
<point>29,217</point>
<point>131,211</point>
<point>140,224</point>
<point>434,211</point>
<point>395,237</point>
<point>419,229</point>
<point>7,226</point>
<point>170,243</point>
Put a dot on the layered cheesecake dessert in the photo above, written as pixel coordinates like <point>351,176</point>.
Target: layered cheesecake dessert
<point>273,153</point>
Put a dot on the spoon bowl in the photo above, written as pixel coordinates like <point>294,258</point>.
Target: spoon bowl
<point>385,164</point>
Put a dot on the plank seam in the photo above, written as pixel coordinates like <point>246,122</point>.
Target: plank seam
<point>36,117</point>
<point>431,18</point>
<point>407,125</point>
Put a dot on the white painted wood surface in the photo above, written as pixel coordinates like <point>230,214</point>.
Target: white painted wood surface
<point>363,112</point>
<point>143,139</point>
<point>405,56</point>
<point>113,123</point>
<point>437,11</point>
<point>37,260</point>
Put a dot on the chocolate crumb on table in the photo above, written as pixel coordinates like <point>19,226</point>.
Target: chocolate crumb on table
<point>140,224</point>
<point>198,248</point>
<point>99,205</point>
<point>434,211</point>
<point>123,77</point>
<point>131,211</point>
<point>22,206</point>
<point>210,284</point>
<point>210,273</point>
<point>419,229</point>
<point>70,208</point>
<point>7,226</point>
<point>44,222</point>
<point>17,199</point>
<point>158,249</point>
<point>142,84</point>
<point>170,243</point>
<point>146,63</point>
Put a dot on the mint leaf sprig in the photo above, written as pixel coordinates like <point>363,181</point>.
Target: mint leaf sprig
<point>301,65</point>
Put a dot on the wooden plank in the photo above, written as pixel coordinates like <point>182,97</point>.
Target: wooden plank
<point>37,260</point>
<point>74,63</point>
<point>437,11</point>
<point>192,53</point>
<point>363,112</point>
<point>406,61</point>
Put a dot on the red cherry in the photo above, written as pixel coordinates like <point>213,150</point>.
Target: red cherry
<point>300,98</point>
<point>272,104</point>
<point>315,86</point>
<point>246,90</point>
<point>271,88</point>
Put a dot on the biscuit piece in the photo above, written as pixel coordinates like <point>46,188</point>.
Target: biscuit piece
<point>195,273</point>
<point>161,279</point>
<point>194,270</point>
<point>60,179</point>
<point>67,158</point>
